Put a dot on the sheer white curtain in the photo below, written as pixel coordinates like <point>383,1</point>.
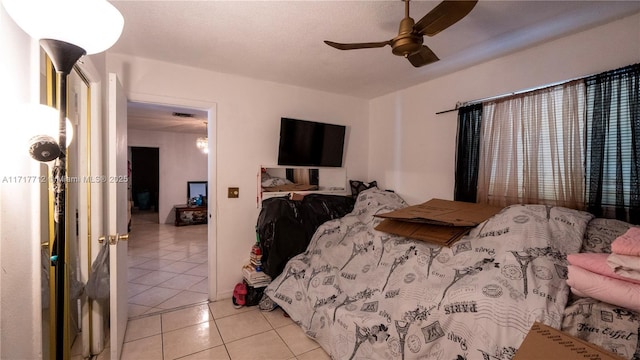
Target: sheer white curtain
<point>532,148</point>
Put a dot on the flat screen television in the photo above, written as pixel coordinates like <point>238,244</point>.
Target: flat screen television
<point>309,143</point>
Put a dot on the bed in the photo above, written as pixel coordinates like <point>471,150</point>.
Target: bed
<point>365,294</point>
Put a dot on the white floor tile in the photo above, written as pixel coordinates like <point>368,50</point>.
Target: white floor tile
<point>201,270</point>
<point>154,278</point>
<point>223,308</point>
<point>155,264</point>
<point>202,286</point>
<point>191,339</point>
<point>142,328</point>
<point>186,317</point>
<point>147,348</point>
<point>137,310</point>
<point>216,353</point>
<point>267,345</point>
<point>276,318</point>
<point>296,340</point>
<point>184,297</point>
<point>181,281</point>
<point>179,267</point>
<point>241,325</point>
<point>153,297</point>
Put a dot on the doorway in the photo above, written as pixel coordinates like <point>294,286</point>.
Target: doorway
<point>168,264</point>
<point>145,181</point>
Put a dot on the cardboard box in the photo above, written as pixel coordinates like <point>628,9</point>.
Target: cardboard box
<point>437,234</point>
<point>545,342</point>
<point>442,222</point>
<point>444,212</point>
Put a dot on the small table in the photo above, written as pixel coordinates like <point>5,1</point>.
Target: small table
<point>190,215</point>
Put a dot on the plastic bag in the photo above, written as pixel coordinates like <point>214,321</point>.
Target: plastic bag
<point>97,287</point>
<point>286,226</point>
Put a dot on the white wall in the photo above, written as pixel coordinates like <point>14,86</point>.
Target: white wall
<point>248,125</point>
<point>412,150</point>
<point>20,305</point>
<point>179,160</point>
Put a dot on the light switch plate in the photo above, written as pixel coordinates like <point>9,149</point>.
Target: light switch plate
<point>234,192</point>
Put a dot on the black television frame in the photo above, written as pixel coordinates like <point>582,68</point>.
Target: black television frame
<point>311,146</point>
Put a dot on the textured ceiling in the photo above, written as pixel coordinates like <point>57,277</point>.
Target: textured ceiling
<point>282,41</point>
<point>164,118</point>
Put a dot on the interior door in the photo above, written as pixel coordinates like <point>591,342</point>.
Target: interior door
<point>117,211</point>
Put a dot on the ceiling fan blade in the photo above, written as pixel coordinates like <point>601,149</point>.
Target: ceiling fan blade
<point>423,57</point>
<point>357,45</point>
<point>442,16</point>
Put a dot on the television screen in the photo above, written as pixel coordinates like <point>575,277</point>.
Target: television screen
<point>308,143</point>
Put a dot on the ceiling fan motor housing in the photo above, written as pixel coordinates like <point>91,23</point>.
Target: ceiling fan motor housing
<point>407,42</point>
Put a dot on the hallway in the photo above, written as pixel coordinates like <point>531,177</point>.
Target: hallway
<point>168,265</point>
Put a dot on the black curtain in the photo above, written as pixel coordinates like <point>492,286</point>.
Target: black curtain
<point>468,153</point>
<point>613,151</point>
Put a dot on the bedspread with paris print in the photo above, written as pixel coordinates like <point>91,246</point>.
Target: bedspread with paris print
<point>365,294</point>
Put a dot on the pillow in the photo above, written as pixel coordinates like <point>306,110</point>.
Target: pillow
<point>359,186</point>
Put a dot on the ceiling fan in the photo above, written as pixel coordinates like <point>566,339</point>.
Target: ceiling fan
<point>408,42</point>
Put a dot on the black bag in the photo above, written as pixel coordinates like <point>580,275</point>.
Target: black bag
<point>254,294</point>
<point>286,226</point>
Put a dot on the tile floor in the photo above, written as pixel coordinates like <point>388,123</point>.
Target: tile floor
<point>217,331</point>
<point>167,265</point>
<point>170,317</point>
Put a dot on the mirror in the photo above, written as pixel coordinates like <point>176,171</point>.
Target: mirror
<point>76,217</point>
<point>279,181</point>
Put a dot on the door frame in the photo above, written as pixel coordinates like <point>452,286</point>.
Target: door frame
<point>211,109</point>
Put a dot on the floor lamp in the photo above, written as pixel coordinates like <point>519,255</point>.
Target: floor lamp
<point>67,30</point>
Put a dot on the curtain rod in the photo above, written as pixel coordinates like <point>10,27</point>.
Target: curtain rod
<point>477,101</point>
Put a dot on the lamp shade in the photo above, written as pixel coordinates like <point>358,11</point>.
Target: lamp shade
<point>93,25</point>
<point>43,120</point>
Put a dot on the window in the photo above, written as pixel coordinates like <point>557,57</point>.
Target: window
<point>575,145</point>
<point>532,148</point>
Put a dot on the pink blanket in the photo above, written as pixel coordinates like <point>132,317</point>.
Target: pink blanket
<point>597,263</point>
<point>627,243</point>
<point>604,288</point>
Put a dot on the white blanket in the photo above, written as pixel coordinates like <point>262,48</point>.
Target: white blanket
<point>364,294</point>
